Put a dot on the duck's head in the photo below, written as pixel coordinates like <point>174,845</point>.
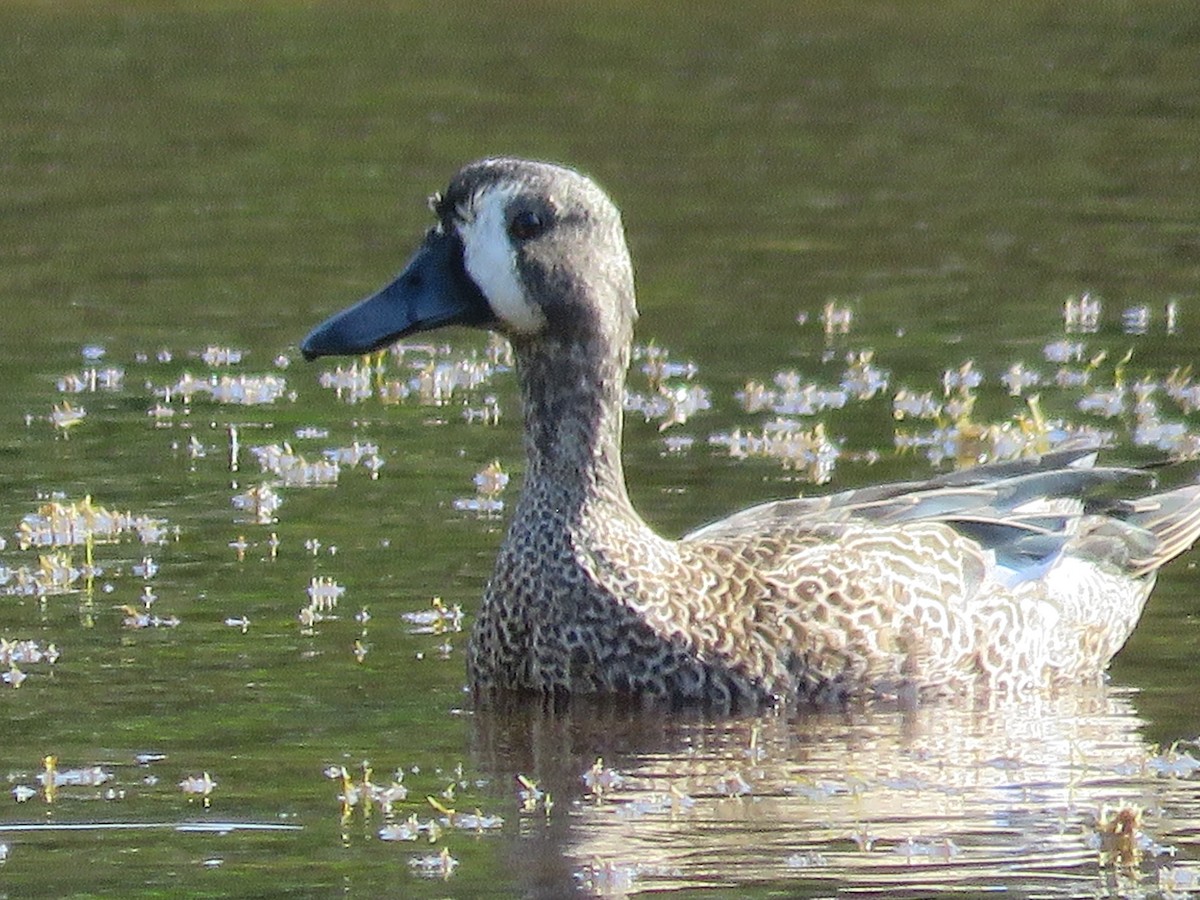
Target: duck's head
<point>529,249</point>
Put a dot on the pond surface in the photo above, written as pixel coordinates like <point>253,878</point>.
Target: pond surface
<point>221,643</point>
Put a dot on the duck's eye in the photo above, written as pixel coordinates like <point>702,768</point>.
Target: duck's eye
<point>526,225</point>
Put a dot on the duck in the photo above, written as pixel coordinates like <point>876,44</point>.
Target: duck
<point>1001,579</point>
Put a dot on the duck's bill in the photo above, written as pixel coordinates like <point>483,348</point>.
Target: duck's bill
<point>433,291</point>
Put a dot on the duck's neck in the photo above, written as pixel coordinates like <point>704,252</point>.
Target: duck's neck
<point>572,397</point>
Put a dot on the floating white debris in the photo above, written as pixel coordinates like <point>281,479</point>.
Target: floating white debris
<point>1064,351</point>
<point>147,568</point>
<point>809,453</point>
<point>1068,379</point>
<point>90,776</point>
<point>490,482</point>
<point>1180,388</point>
<point>308,474</point>
<point>1172,438</point>
<point>658,367</point>
<point>1174,764</point>
<point>53,574</point>
<point>161,414</point>
<point>499,352</point>
<point>261,502</point>
<point>1081,315</point>
<point>78,523</point>
<point>1107,402</point>
<point>221,356</point>
<point>27,653</point>
<point>438,382</point>
<point>441,865</point>
<point>907,404</point>
<point>148,597</point>
<point>241,390</point>
<point>683,402</point>
<point>678,443</point>
<point>201,785</point>
<point>601,780</point>
<point>1018,379</point>
<point>965,378</point>
<point>392,391</point>
<point>249,390</point>
<point>352,384</point>
<point>479,505</point>
<point>92,380</point>
<point>755,397</point>
<point>486,414</point>
<point>408,830</point>
<point>475,821</point>
<point>324,593</point>
<point>1135,319</point>
<point>64,416</point>
<point>138,619</point>
<point>357,454</point>
<point>532,796</point>
<point>836,318</point>
<point>673,397</point>
<point>862,378</point>
<point>438,619</point>
<point>792,396</point>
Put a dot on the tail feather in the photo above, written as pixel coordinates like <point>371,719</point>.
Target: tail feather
<point>1173,517</point>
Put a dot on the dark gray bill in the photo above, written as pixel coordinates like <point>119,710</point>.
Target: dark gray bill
<point>433,290</point>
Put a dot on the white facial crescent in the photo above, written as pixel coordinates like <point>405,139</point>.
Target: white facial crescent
<point>491,260</point>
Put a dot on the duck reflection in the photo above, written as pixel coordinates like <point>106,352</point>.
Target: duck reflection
<point>1059,793</point>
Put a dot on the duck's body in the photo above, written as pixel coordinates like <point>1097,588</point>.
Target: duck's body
<point>1002,578</point>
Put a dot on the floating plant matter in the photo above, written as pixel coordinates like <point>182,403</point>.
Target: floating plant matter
<point>490,483</point>
<point>91,380</point>
<point>64,416</point>
<point>438,619</point>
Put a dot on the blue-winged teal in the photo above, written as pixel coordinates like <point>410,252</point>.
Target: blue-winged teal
<point>1002,577</point>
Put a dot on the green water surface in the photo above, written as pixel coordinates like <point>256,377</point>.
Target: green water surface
<point>178,177</point>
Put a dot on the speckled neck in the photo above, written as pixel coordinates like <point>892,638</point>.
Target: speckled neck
<point>572,395</point>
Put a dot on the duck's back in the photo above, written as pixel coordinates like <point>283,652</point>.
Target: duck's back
<point>1002,578</point>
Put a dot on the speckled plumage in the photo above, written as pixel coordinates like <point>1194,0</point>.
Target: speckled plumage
<point>1002,578</point>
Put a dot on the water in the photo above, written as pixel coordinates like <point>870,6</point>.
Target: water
<point>225,177</point>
